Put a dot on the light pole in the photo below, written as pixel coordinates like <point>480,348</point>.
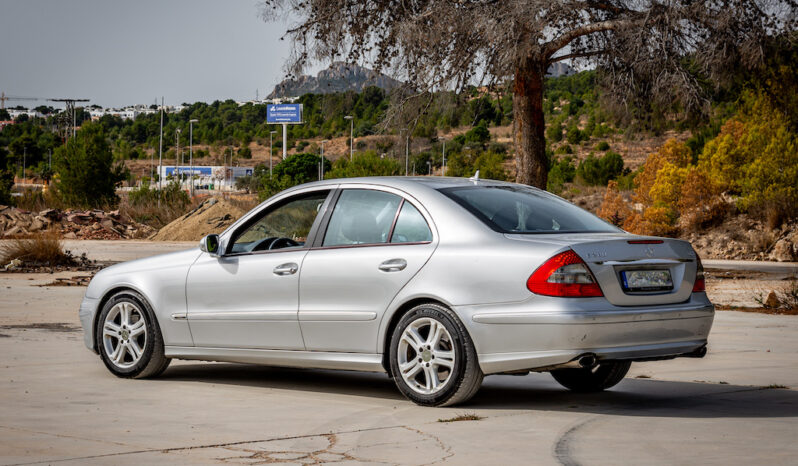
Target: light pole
<point>351,136</point>
<point>177,154</point>
<point>191,154</point>
<point>160,150</point>
<point>271,135</point>
<point>429,168</point>
<point>443,169</point>
<point>321,161</point>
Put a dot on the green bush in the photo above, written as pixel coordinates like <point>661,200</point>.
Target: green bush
<point>478,134</point>
<point>603,146</point>
<point>365,164</point>
<point>554,131</point>
<point>87,176</point>
<point>574,135</point>
<point>562,171</point>
<point>597,171</point>
<point>245,153</point>
<point>564,149</point>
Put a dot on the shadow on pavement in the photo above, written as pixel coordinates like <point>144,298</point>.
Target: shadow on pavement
<point>632,397</point>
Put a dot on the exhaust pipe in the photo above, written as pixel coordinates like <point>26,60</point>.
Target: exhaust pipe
<point>699,353</point>
<point>587,361</point>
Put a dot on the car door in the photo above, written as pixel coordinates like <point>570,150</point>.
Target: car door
<point>375,241</point>
<point>248,297</point>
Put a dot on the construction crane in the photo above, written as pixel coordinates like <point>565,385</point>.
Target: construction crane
<point>3,99</point>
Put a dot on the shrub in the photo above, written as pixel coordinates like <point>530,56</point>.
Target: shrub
<point>614,208</point>
<point>554,131</point>
<point>365,164</point>
<point>478,134</point>
<point>156,207</point>
<point>245,153</point>
<point>87,176</point>
<point>700,203</point>
<point>490,166</point>
<point>562,171</point>
<point>564,149</point>
<point>42,249</point>
<point>597,171</point>
<point>603,146</point>
<point>574,135</point>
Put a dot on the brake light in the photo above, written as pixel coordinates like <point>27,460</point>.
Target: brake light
<point>700,285</point>
<point>566,275</point>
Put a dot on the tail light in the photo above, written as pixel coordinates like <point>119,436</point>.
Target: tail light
<point>565,274</point>
<point>700,285</point>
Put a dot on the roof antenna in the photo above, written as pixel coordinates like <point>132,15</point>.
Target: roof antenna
<point>475,177</point>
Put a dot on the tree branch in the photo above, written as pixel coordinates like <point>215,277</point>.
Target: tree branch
<point>551,47</point>
<point>590,53</point>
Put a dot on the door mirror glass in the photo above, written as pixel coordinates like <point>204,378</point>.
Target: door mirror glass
<point>210,244</point>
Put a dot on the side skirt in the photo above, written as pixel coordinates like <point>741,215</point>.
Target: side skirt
<point>304,359</point>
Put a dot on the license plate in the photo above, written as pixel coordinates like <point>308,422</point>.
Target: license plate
<point>646,280</point>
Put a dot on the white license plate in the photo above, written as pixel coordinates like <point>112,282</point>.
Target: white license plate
<point>646,280</point>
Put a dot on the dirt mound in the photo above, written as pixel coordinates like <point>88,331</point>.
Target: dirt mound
<point>212,216</point>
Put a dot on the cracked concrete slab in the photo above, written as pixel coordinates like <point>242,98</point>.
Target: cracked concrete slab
<point>59,405</point>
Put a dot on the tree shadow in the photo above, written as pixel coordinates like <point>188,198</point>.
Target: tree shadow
<point>536,392</point>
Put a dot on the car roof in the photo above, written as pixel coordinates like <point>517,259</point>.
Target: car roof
<point>410,182</point>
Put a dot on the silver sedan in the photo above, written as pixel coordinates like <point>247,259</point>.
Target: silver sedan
<point>435,281</point>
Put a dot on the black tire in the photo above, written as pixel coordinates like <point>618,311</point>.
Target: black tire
<point>607,374</point>
<point>465,378</point>
<point>152,361</point>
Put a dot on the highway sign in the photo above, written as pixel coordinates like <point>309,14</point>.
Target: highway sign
<point>284,113</point>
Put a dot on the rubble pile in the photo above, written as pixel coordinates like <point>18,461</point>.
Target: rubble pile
<point>72,224</point>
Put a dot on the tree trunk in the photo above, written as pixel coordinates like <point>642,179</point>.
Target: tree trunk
<point>528,126</point>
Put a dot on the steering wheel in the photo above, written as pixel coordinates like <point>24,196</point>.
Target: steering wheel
<point>264,244</point>
<point>280,243</point>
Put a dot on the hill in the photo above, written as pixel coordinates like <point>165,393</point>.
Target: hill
<point>339,77</point>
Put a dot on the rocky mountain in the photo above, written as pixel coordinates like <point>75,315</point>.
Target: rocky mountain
<point>559,69</point>
<point>339,77</point>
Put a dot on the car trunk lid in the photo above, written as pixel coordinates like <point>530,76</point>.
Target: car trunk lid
<point>632,270</point>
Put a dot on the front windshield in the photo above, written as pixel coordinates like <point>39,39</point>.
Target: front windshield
<point>520,209</point>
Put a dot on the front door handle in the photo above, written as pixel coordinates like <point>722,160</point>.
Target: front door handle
<point>393,265</point>
<point>286,269</point>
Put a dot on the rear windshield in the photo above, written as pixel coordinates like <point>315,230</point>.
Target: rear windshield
<point>519,209</point>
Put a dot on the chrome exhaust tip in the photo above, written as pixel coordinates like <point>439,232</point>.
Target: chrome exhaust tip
<point>587,361</point>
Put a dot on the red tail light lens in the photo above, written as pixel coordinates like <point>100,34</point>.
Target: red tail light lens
<point>566,275</point>
<point>700,285</point>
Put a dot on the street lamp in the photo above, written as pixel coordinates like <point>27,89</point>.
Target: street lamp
<point>321,161</point>
<point>271,135</point>
<point>351,136</point>
<point>191,154</point>
<point>177,154</point>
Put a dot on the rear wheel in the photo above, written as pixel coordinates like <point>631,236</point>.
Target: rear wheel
<point>594,379</point>
<point>129,338</point>
<point>432,357</point>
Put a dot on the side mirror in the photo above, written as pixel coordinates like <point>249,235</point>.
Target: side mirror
<point>210,244</point>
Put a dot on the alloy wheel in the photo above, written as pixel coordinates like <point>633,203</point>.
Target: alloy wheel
<point>426,356</point>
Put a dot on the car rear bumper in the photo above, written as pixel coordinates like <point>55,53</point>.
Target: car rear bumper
<point>514,338</point>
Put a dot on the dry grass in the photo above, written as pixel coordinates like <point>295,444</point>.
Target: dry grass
<point>775,386</point>
<point>43,249</point>
<point>462,417</point>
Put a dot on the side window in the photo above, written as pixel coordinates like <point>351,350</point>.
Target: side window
<point>410,226</point>
<point>286,226</point>
<point>361,216</point>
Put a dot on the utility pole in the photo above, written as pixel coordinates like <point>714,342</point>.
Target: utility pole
<point>177,155</point>
<point>271,133</point>
<point>351,136</point>
<point>321,162</point>
<point>443,170</point>
<point>191,154</point>
<point>285,139</point>
<point>160,150</point>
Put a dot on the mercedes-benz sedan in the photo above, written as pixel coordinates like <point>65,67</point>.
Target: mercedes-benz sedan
<point>435,281</point>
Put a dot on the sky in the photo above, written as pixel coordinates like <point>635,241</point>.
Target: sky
<point>119,53</point>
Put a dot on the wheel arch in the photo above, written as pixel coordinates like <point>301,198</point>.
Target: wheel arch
<point>104,299</point>
<point>394,319</point>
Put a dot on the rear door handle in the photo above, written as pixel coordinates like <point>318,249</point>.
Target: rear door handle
<point>286,269</point>
<point>393,265</point>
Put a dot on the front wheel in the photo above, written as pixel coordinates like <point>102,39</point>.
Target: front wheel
<point>129,338</point>
<point>432,357</point>
<point>593,379</point>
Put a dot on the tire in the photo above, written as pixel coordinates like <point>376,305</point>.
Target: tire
<point>601,377</point>
<point>128,348</point>
<point>456,368</point>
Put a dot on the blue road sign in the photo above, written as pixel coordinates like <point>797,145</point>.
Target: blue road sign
<point>284,113</point>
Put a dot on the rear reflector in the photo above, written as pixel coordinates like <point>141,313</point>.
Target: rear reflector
<point>700,284</point>
<point>645,241</point>
<point>566,275</point>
